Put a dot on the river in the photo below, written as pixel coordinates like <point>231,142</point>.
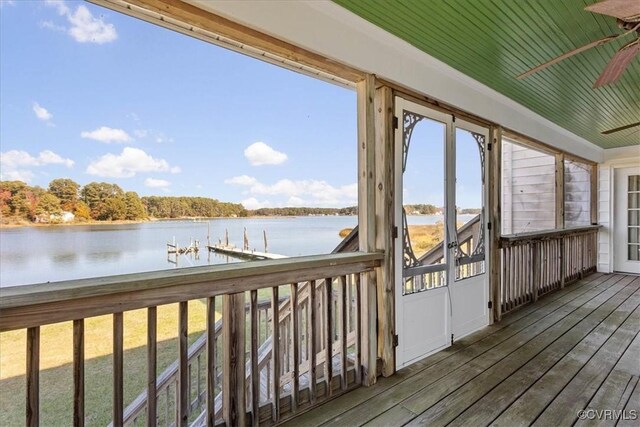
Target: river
<point>31,255</point>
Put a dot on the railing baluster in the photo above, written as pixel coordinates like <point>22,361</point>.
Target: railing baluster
<point>275,351</point>
<point>182,404</point>
<point>328,368</point>
<point>211,361</point>
<point>78,372</point>
<point>358,352</point>
<point>152,351</point>
<point>295,340</point>
<point>255,374</point>
<point>233,384</point>
<point>118,330</point>
<point>311,341</point>
<point>33,377</point>
<point>343,332</point>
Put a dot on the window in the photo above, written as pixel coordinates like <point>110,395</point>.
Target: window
<point>528,189</point>
<point>577,194</point>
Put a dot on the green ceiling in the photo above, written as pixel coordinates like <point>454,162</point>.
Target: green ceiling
<point>493,41</point>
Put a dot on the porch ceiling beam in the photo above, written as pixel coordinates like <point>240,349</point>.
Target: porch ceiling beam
<point>173,12</point>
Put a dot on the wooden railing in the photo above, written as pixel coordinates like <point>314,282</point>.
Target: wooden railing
<point>317,331</point>
<point>534,264</point>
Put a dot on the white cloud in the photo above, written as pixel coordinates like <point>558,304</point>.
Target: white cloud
<point>127,164</point>
<point>107,135</point>
<point>156,183</point>
<point>42,112</point>
<point>260,153</point>
<point>241,180</point>
<point>301,193</point>
<point>15,164</point>
<point>84,27</point>
<point>141,133</point>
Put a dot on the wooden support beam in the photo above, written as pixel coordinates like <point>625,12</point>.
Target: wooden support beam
<point>384,208</point>
<point>559,190</point>
<point>494,209</point>
<point>78,372</point>
<point>275,350</point>
<point>594,194</point>
<point>233,384</point>
<point>367,222</point>
<point>191,20</point>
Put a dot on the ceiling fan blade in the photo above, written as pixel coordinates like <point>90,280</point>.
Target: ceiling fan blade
<point>568,54</point>
<point>625,127</point>
<point>627,10</point>
<point>618,64</point>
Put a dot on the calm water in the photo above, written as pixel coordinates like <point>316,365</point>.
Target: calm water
<point>41,254</point>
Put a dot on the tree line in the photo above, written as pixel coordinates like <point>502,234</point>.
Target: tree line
<point>100,201</point>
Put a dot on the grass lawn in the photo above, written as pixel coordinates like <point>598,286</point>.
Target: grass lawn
<point>56,375</point>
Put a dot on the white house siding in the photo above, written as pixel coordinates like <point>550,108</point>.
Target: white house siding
<point>528,195</point>
<point>604,209</point>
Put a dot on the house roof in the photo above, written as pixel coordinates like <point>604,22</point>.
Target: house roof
<point>493,41</point>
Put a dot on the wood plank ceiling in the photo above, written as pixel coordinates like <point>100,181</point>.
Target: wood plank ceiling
<point>493,41</point>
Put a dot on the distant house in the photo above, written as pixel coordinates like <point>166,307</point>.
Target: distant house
<point>65,216</point>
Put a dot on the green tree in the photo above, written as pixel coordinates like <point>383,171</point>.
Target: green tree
<point>82,211</point>
<point>95,195</point>
<point>66,190</point>
<point>134,207</point>
<point>48,204</point>
<point>113,209</point>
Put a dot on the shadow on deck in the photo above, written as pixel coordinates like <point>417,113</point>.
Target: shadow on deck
<point>576,349</point>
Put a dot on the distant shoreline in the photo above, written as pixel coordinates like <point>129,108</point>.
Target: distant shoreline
<point>142,221</point>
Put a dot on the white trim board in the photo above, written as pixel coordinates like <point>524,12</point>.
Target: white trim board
<point>332,31</point>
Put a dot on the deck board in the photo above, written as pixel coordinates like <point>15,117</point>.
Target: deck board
<point>529,368</point>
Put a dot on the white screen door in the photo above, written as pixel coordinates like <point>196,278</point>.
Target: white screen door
<point>441,288</point>
<point>626,256</point>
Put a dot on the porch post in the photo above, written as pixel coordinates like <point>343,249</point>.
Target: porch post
<point>366,223</point>
<point>495,186</point>
<point>560,211</point>
<point>384,134</point>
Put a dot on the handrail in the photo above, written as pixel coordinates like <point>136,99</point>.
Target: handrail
<point>40,304</point>
<point>511,239</point>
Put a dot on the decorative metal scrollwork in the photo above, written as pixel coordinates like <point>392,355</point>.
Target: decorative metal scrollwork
<point>409,121</point>
<point>408,256</point>
<point>480,139</point>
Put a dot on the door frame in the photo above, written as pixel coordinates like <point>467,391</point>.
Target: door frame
<point>612,211</point>
<point>451,123</point>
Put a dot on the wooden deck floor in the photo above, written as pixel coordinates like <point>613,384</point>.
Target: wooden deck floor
<point>576,349</point>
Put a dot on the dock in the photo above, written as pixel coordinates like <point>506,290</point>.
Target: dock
<point>243,253</point>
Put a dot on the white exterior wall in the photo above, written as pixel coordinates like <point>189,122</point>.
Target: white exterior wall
<point>528,189</point>
<point>614,158</point>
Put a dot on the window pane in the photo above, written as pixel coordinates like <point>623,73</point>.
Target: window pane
<point>634,217</point>
<point>634,234</point>
<point>577,194</point>
<point>634,252</point>
<point>528,189</point>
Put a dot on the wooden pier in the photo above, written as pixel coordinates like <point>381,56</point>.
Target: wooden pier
<point>243,253</point>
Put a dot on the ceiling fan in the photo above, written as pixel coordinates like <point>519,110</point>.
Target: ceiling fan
<point>627,14</point>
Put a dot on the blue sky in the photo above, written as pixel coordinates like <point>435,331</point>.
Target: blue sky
<point>93,95</point>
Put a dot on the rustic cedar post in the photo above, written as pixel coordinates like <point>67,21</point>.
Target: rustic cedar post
<point>366,222</point>
<point>233,383</point>
<point>560,211</point>
<point>384,203</point>
<point>594,194</point>
<point>495,185</point>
